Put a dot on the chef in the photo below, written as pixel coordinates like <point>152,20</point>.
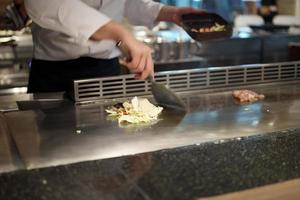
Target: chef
<point>76,39</point>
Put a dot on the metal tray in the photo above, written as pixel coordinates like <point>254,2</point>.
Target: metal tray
<point>205,20</point>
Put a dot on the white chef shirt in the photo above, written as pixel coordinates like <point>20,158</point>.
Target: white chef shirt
<point>62,28</point>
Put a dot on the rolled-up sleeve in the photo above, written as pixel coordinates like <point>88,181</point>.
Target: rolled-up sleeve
<point>71,17</point>
<point>142,12</point>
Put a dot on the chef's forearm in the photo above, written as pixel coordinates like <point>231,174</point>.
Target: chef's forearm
<point>112,31</point>
<point>167,14</point>
<point>174,14</point>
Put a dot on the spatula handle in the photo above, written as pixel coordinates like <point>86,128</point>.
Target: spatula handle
<point>124,51</point>
<point>150,78</point>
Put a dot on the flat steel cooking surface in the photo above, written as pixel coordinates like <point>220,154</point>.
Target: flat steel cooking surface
<point>68,133</point>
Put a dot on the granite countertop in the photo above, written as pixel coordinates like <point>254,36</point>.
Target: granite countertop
<point>181,173</point>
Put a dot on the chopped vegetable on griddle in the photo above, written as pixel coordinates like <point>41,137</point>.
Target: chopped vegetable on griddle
<point>138,110</point>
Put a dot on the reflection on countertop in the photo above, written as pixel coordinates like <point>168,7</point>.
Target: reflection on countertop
<point>51,135</point>
<point>72,151</point>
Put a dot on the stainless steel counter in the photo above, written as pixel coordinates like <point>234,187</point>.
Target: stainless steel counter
<point>67,134</point>
<point>9,159</point>
<point>9,102</point>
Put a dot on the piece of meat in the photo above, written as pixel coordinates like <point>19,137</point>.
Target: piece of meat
<point>247,96</point>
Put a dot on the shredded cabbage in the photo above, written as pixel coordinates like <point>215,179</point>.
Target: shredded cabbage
<point>138,110</point>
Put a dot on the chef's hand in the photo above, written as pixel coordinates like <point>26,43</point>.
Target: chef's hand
<point>174,14</point>
<point>138,58</point>
<point>140,62</point>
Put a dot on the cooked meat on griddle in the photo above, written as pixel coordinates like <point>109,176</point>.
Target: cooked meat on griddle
<point>244,96</point>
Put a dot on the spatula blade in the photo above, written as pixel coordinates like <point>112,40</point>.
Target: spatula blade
<point>165,97</point>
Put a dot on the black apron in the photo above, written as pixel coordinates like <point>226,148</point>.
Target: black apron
<point>57,76</point>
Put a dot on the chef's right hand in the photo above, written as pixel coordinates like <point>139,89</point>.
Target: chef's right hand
<point>140,62</point>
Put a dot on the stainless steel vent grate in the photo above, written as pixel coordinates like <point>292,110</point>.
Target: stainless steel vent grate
<point>186,80</point>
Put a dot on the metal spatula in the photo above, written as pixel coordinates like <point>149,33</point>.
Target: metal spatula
<point>163,95</point>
